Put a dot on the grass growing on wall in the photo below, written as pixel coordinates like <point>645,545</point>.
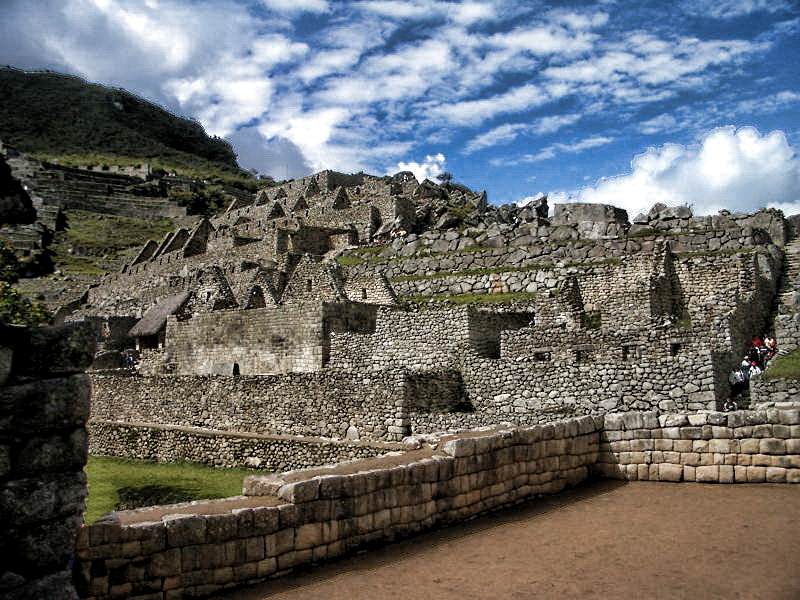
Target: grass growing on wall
<point>785,367</point>
<point>474,298</point>
<point>115,480</point>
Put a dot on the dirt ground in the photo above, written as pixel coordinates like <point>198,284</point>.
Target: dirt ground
<point>604,540</point>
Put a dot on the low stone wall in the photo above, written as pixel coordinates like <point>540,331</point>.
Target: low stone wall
<point>44,403</point>
<point>325,404</point>
<point>737,447</point>
<point>773,390</point>
<point>146,441</point>
<point>305,517</point>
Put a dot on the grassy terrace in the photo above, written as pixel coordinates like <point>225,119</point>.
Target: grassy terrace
<point>459,299</point>
<point>95,238</point>
<point>785,367</point>
<point>497,270</point>
<point>116,483</point>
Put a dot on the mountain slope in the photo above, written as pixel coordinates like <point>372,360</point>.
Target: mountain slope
<point>52,115</point>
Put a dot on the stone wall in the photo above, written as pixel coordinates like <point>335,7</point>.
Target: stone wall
<point>44,403</point>
<point>223,449</point>
<point>764,390</point>
<point>320,515</point>
<point>737,447</point>
<point>260,340</point>
<point>306,404</point>
<point>313,516</point>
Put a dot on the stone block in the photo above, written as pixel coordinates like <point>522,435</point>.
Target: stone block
<point>689,473</point>
<point>56,350</point>
<point>164,564</point>
<point>44,405</point>
<point>772,446</point>
<point>722,445</point>
<point>308,536</point>
<point>32,500</point>
<point>185,530</point>
<point>300,491</point>
<point>776,475</point>
<point>265,520</point>
<point>726,474</point>
<point>789,416</point>
<point>459,447</point>
<point>762,431</point>
<point>670,472</point>
<point>262,485</point>
<point>792,475</point>
<point>756,474</point>
<point>707,474</point>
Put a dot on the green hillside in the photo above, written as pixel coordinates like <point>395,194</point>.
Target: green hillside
<point>65,119</point>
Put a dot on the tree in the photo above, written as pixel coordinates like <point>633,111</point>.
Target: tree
<point>15,309</point>
<point>9,263</point>
<point>445,177</point>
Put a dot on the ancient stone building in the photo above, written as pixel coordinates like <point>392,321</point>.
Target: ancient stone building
<point>452,313</point>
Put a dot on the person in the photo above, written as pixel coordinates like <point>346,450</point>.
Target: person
<point>757,342</point>
<point>753,355</point>
<point>730,405</point>
<point>745,367</point>
<point>755,369</point>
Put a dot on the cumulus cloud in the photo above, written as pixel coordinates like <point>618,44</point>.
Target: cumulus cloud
<point>429,168</point>
<point>731,169</point>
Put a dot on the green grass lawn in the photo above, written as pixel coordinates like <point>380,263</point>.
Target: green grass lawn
<point>112,480</point>
<point>785,367</point>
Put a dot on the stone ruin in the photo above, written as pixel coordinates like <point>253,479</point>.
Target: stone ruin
<point>333,346</point>
<point>379,309</point>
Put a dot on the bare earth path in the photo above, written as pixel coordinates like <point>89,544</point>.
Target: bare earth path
<point>605,540</point>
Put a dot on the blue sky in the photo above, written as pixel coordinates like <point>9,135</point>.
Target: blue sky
<point>622,102</point>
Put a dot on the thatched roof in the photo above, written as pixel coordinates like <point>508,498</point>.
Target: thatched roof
<point>156,317</point>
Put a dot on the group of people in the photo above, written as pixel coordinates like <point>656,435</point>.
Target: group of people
<point>753,363</point>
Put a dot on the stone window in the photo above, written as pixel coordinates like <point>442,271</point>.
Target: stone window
<point>675,348</point>
<point>309,285</point>
<point>363,293</point>
<point>541,355</point>
<point>631,353</point>
<point>592,319</point>
<point>583,355</point>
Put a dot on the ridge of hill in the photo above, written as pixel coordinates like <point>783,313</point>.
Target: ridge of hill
<point>65,119</point>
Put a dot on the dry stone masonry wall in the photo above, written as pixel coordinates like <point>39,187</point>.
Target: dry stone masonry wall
<point>305,517</point>
<point>44,404</point>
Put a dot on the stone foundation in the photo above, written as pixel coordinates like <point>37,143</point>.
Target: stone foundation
<point>316,515</point>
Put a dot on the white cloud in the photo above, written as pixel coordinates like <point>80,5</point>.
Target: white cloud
<point>464,13</point>
<point>658,124</point>
<point>544,40</point>
<point>554,150</point>
<point>473,112</point>
<point>294,6</point>
<point>499,135</point>
<point>432,166</point>
<point>731,169</point>
<point>728,9</point>
<point>554,123</point>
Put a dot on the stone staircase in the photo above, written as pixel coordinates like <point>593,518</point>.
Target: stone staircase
<point>787,310</point>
